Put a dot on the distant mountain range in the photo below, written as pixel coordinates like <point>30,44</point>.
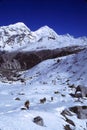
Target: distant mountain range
<point>20,37</point>
<point>47,70</point>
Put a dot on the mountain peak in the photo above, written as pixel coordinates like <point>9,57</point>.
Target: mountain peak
<point>45,31</point>
<point>18,35</point>
<point>45,27</point>
<point>16,26</point>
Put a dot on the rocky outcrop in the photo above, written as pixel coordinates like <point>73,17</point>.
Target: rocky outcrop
<point>81,111</point>
<point>29,59</point>
<point>26,60</point>
<point>81,89</point>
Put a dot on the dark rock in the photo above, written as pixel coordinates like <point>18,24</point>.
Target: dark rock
<point>38,120</point>
<point>27,60</point>
<point>78,89</point>
<point>81,89</point>
<point>70,122</point>
<point>58,60</point>
<point>67,127</point>
<point>80,111</point>
<point>43,100</point>
<point>17,98</point>
<point>56,92</point>
<point>27,104</point>
<point>73,95</point>
<point>66,112</point>
<point>23,108</point>
<point>1,60</point>
<point>21,93</point>
<point>72,86</point>
<point>74,109</point>
<point>51,98</point>
<point>78,95</point>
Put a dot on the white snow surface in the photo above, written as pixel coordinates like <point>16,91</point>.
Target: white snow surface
<point>19,37</point>
<point>43,80</point>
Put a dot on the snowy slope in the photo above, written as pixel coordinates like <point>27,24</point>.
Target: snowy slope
<point>54,79</point>
<point>48,79</point>
<point>58,75</point>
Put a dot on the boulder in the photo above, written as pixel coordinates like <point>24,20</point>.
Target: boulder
<point>38,120</point>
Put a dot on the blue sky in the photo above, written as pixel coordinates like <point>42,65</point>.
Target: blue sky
<point>64,16</point>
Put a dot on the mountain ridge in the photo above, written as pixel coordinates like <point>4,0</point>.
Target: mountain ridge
<point>18,36</point>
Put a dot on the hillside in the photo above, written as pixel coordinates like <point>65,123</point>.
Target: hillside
<point>49,72</point>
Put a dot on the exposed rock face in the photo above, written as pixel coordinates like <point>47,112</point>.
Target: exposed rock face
<point>82,89</point>
<point>81,111</point>
<point>1,60</point>
<point>67,127</point>
<point>26,60</point>
<point>66,113</point>
<point>18,61</point>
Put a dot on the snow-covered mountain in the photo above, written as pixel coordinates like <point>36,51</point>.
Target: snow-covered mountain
<point>20,37</point>
<point>42,79</point>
